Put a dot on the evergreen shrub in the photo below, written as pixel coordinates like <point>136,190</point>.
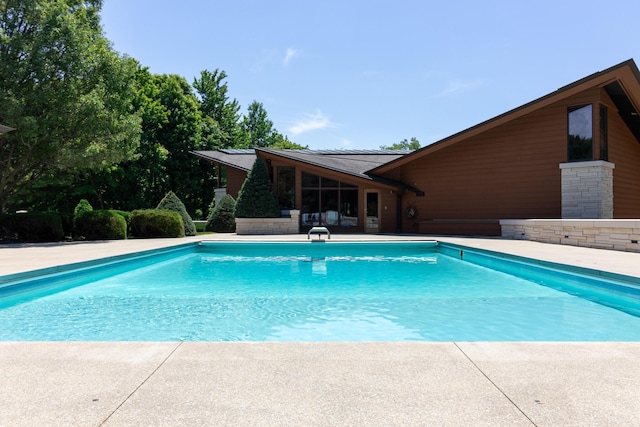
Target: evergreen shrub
<point>101,225</point>
<point>149,223</point>
<point>212,207</point>
<point>223,218</point>
<point>32,227</point>
<point>256,198</point>
<point>82,208</point>
<point>173,203</point>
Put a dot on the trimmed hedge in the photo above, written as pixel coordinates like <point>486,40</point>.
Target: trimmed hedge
<point>173,203</point>
<point>156,223</point>
<point>222,219</point>
<point>32,227</point>
<point>101,225</point>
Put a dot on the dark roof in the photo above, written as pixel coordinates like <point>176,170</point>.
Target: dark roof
<point>242,159</point>
<point>351,162</point>
<point>625,99</point>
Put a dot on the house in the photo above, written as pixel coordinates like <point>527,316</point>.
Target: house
<point>574,153</point>
<point>329,187</point>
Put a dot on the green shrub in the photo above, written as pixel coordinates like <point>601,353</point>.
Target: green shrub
<point>82,207</point>
<point>223,219</point>
<point>212,208</point>
<point>173,203</point>
<point>101,225</point>
<point>256,198</point>
<point>125,214</point>
<point>32,227</point>
<point>146,223</point>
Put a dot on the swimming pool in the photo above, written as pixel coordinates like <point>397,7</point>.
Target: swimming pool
<point>409,291</point>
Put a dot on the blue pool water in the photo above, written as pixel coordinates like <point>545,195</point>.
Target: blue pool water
<point>319,292</point>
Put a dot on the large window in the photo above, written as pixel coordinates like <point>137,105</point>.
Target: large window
<point>286,187</point>
<point>328,202</point>
<point>580,138</point>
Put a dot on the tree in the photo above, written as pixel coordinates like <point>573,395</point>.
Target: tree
<point>215,103</point>
<point>256,198</point>
<point>171,128</point>
<point>414,144</point>
<point>64,90</point>
<point>257,127</point>
<point>281,142</point>
<point>259,130</point>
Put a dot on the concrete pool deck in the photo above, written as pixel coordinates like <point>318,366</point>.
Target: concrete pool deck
<point>196,383</point>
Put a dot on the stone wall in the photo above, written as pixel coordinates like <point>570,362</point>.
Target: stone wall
<point>587,189</point>
<point>618,234</point>
<point>288,223</point>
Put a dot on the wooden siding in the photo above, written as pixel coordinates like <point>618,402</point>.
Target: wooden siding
<point>235,179</point>
<point>624,152</point>
<point>509,172</point>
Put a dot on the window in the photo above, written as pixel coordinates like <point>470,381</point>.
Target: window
<point>329,202</point>
<point>580,138</point>
<point>286,187</point>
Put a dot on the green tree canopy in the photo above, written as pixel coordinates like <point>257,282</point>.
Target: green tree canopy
<point>215,104</point>
<point>258,130</point>
<point>414,144</point>
<point>64,90</point>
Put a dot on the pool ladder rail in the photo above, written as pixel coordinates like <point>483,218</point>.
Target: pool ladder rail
<point>319,231</point>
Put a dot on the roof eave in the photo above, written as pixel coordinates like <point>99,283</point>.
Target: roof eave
<point>222,162</point>
<point>597,79</point>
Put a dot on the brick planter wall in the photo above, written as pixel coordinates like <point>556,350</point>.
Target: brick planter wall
<point>616,234</point>
<point>289,223</point>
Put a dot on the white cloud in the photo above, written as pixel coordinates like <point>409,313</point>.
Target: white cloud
<point>291,53</point>
<point>310,122</point>
<point>456,86</point>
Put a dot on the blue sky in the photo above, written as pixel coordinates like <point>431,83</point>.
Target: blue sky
<point>351,74</point>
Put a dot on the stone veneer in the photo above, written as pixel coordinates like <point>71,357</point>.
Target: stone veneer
<point>288,223</point>
<point>587,189</point>
<point>618,234</point>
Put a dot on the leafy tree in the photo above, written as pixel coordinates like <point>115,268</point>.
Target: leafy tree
<point>281,142</point>
<point>257,127</point>
<point>414,144</point>
<point>64,90</point>
<point>215,104</point>
<point>171,128</point>
<point>173,203</point>
<point>223,220</point>
<point>256,198</point>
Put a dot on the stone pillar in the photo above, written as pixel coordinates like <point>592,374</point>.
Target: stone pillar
<point>219,194</point>
<point>587,190</point>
